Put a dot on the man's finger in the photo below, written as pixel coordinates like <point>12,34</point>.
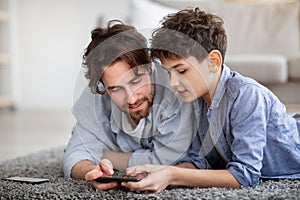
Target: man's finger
<point>104,186</point>
<point>107,167</point>
<point>95,173</point>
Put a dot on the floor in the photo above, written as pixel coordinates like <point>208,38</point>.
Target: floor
<point>26,132</point>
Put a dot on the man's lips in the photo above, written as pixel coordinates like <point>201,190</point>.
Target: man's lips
<point>137,107</point>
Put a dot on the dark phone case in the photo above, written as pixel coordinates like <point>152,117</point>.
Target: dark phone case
<point>116,179</point>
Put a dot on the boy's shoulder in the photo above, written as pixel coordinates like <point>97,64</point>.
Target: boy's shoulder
<point>237,81</point>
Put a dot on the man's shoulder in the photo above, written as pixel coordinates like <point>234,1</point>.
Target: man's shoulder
<point>91,101</point>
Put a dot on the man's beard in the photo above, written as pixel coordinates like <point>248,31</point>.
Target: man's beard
<point>136,116</point>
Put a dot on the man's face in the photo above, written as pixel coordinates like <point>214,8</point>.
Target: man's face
<point>132,93</point>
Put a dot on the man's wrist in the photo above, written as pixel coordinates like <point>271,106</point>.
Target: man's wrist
<point>81,168</point>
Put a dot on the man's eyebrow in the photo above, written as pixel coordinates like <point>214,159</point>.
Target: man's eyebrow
<point>134,78</point>
<point>112,87</point>
<point>138,75</point>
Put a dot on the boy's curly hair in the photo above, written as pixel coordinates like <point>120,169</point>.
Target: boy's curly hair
<point>189,32</point>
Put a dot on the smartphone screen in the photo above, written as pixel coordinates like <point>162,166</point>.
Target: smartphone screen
<point>26,179</point>
<point>116,179</point>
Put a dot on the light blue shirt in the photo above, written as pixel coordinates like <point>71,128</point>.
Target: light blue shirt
<point>247,131</point>
<point>163,137</point>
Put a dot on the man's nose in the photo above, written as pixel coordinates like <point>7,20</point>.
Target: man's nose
<point>132,97</point>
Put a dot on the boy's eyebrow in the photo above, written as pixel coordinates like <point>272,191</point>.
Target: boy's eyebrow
<point>177,65</point>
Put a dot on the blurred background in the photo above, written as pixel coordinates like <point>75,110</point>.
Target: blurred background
<point>41,46</point>
<point>42,42</point>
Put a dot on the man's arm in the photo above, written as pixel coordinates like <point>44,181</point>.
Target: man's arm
<point>89,139</point>
<point>87,170</point>
<point>118,159</point>
<point>82,168</point>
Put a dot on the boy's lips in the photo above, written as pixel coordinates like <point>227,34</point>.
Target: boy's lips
<point>182,92</point>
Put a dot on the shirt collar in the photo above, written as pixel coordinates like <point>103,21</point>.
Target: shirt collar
<point>220,87</point>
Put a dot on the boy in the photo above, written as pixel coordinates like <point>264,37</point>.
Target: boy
<point>244,133</point>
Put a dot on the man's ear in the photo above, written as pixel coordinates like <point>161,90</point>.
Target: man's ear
<point>215,60</point>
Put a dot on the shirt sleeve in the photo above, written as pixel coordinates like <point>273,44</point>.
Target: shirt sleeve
<point>90,135</point>
<point>193,156</point>
<point>248,119</point>
<point>83,145</point>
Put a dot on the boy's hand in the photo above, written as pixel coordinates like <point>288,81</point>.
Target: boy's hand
<point>155,178</point>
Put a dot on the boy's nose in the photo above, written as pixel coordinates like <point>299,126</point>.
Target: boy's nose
<point>174,82</point>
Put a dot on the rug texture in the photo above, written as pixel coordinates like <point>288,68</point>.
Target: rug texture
<point>47,164</point>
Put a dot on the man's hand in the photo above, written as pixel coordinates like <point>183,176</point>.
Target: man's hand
<point>104,168</point>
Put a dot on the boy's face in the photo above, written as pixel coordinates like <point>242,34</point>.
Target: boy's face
<point>132,94</point>
<point>188,77</point>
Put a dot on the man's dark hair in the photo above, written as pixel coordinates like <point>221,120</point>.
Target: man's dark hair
<point>116,42</point>
<point>189,32</point>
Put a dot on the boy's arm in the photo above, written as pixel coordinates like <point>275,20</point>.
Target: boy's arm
<point>158,177</point>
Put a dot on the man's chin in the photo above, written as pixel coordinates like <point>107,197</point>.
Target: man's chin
<point>136,116</point>
<point>139,114</point>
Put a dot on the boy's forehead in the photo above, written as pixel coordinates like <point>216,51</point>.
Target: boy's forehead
<point>170,61</point>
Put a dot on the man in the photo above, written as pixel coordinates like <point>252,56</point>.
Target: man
<point>128,115</point>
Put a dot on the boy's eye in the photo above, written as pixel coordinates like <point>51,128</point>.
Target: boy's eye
<point>181,71</point>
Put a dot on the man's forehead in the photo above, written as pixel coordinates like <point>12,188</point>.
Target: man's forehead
<point>121,74</point>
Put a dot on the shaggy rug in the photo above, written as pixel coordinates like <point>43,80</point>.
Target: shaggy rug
<point>47,164</point>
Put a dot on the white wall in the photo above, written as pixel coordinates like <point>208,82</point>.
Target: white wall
<point>49,38</point>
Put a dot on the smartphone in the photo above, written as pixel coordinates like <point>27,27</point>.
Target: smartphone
<point>26,179</point>
<point>116,179</point>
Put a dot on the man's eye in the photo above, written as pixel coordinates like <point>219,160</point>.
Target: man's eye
<point>114,89</point>
<point>136,80</point>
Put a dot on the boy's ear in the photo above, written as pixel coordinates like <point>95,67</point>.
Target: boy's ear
<point>215,60</point>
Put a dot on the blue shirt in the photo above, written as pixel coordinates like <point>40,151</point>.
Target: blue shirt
<point>163,137</point>
<point>247,131</point>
